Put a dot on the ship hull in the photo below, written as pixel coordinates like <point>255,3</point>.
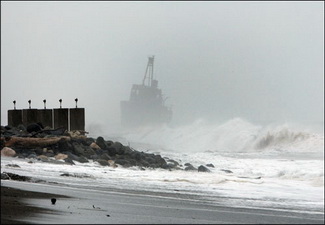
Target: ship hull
<point>135,114</point>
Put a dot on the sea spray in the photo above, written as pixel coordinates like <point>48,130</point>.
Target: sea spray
<point>236,135</point>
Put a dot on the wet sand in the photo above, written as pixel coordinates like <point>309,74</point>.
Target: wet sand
<point>107,206</point>
<point>14,208</point>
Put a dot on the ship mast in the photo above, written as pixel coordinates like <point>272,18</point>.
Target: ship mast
<point>149,71</point>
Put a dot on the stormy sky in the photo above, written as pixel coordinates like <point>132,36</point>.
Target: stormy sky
<point>261,61</point>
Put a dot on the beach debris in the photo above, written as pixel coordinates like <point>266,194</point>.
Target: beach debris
<point>53,200</point>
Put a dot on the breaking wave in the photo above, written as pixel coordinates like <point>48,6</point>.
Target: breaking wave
<point>236,135</point>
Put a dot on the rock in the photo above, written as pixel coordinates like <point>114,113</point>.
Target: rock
<point>6,151</point>
<point>43,158</point>
<point>210,165</point>
<point>103,162</point>
<point>123,162</point>
<point>203,169</point>
<point>69,161</point>
<point>189,167</point>
<point>13,165</point>
<point>226,171</point>
<point>105,156</point>
<point>111,151</point>
<point>78,148</point>
<point>94,146</point>
<point>101,143</point>
<point>60,156</point>
<point>112,163</point>
<point>34,127</point>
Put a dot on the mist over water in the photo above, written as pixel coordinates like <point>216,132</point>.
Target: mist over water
<point>234,136</point>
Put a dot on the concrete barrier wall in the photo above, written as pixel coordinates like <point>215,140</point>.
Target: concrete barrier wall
<point>77,119</point>
<point>45,116</point>
<point>61,118</point>
<point>29,116</point>
<point>15,117</point>
<point>70,119</point>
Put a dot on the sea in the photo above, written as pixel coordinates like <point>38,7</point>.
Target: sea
<point>277,166</point>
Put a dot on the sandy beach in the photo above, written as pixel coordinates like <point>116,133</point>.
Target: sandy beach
<point>116,207</point>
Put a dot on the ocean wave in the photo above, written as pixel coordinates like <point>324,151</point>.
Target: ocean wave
<point>236,135</point>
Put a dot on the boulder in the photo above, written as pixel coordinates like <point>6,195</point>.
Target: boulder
<point>210,165</point>
<point>94,146</point>
<point>43,158</point>
<point>8,152</point>
<point>203,169</point>
<point>60,156</point>
<point>34,127</point>
<point>189,166</point>
<point>101,142</point>
<point>105,156</point>
<point>103,162</point>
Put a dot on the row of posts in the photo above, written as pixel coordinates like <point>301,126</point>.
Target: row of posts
<point>69,118</point>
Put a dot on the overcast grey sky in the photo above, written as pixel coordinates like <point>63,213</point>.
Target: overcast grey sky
<point>261,61</point>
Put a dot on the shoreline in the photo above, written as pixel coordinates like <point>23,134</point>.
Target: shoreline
<point>85,206</point>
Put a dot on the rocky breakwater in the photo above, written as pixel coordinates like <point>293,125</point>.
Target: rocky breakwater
<point>59,146</point>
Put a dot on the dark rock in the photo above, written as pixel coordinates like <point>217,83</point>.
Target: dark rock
<point>78,175</point>
<point>94,157</point>
<point>69,161</point>
<point>189,166</point>
<point>82,159</point>
<point>123,162</point>
<point>32,156</point>
<point>111,151</point>
<point>74,157</point>
<point>89,140</point>
<point>38,151</point>
<point>210,165</point>
<point>101,143</point>
<point>34,127</point>
<point>203,169</point>
<point>64,145</point>
<point>49,154</point>
<point>118,147</point>
<point>226,171</point>
<point>13,165</point>
<point>4,176</point>
<point>105,156</point>
<point>103,162</point>
<point>12,176</point>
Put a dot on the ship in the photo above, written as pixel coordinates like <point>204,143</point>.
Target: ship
<point>146,106</point>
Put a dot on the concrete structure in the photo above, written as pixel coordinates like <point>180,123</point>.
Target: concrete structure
<point>61,118</point>
<point>77,119</point>
<point>29,116</point>
<point>45,116</point>
<point>15,117</point>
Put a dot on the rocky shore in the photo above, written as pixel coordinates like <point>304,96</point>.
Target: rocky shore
<point>62,147</point>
